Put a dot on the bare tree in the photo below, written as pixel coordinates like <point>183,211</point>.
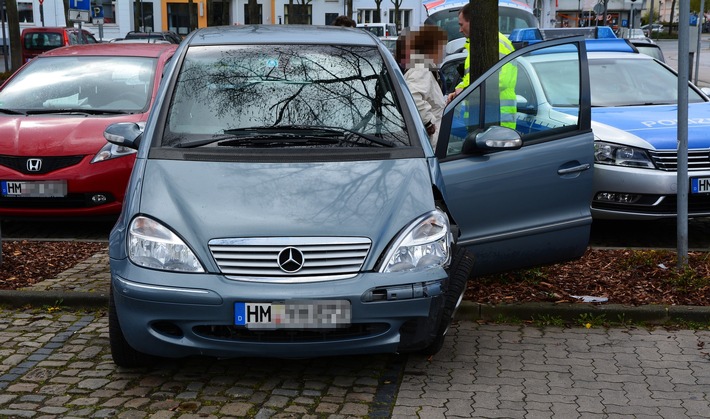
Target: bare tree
<point>298,12</point>
<point>191,15</point>
<point>67,22</point>
<point>253,8</point>
<point>349,8</point>
<point>378,11</point>
<point>483,36</point>
<point>13,24</point>
<point>670,26</point>
<point>397,4</point>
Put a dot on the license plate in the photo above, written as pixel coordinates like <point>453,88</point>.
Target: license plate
<point>294,314</point>
<point>700,185</point>
<point>45,189</point>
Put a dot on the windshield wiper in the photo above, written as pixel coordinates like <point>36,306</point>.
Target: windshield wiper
<point>76,111</point>
<point>11,111</point>
<point>319,131</point>
<point>284,136</point>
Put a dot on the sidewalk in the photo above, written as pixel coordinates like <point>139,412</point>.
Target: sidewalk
<point>86,285</point>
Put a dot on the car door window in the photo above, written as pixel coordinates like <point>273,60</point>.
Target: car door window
<point>538,108</point>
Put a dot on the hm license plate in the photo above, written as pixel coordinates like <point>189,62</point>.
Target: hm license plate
<point>294,314</point>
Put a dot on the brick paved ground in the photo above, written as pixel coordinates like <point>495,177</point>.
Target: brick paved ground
<point>56,364</point>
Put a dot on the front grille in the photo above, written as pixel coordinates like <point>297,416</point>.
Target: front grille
<point>323,258</point>
<point>233,333</point>
<point>698,159</point>
<point>48,165</point>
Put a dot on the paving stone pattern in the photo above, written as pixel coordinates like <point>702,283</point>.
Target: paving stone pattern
<point>55,363</point>
<point>521,371</point>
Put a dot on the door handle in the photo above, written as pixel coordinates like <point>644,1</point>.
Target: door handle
<point>568,170</point>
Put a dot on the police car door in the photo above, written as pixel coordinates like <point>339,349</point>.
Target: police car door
<point>521,197</point>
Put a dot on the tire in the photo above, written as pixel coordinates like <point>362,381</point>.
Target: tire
<point>459,272</point>
<point>123,353</point>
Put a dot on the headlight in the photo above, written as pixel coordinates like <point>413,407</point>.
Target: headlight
<point>111,151</point>
<point>621,155</point>
<point>425,244</point>
<point>152,245</point>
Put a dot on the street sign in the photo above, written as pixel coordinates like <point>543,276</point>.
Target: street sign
<point>79,10</point>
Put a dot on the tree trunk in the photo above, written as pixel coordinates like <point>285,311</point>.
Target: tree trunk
<point>68,23</point>
<point>210,18</point>
<point>225,13</point>
<point>484,36</point>
<point>670,26</point>
<point>192,18</point>
<point>13,27</point>
<point>253,7</point>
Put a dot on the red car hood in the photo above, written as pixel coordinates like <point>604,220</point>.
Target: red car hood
<point>56,135</point>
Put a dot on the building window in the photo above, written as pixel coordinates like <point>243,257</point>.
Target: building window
<point>179,17</point>
<point>218,13</point>
<point>142,16</point>
<point>301,14</point>
<point>24,11</point>
<point>330,18</point>
<point>248,21</point>
<point>405,17</point>
<point>368,16</point>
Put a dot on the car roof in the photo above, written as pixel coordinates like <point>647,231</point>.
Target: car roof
<point>113,49</point>
<point>52,29</point>
<point>281,34</point>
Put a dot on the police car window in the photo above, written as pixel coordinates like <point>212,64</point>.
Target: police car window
<point>222,89</point>
<point>631,82</point>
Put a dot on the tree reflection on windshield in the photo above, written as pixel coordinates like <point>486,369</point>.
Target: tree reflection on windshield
<point>222,88</point>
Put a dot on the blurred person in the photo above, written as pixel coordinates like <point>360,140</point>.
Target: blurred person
<point>345,21</point>
<point>422,51</point>
<point>508,74</point>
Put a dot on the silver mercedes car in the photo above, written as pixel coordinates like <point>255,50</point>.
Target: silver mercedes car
<point>286,201</point>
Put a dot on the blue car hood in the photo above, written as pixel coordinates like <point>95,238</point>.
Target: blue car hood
<point>201,201</point>
<point>658,125</point>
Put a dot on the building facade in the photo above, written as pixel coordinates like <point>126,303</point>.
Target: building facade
<point>117,17</point>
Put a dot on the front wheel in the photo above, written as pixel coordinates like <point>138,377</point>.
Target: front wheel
<point>459,272</point>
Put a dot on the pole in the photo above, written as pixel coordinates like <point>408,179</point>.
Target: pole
<point>682,165</point>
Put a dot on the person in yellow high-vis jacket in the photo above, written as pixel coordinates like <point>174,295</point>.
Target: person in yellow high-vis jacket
<point>507,77</point>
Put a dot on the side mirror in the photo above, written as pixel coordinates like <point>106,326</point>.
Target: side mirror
<point>125,134</point>
<point>494,138</point>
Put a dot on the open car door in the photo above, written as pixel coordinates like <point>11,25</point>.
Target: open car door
<point>521,197</point>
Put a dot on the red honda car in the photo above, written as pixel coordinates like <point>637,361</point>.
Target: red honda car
<point>54,160</point>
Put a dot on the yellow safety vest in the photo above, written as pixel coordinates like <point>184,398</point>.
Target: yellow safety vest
<point>507,79</point>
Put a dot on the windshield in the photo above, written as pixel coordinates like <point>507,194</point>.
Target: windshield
<point>508,19</point>
<point>616,82</point>
<point>294,94</point>
<point>98,83</point>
